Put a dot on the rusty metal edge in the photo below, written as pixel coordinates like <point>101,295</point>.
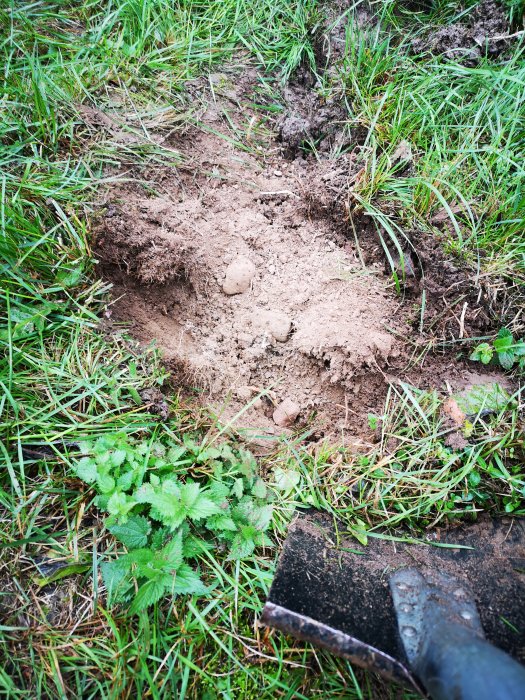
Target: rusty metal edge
<point>337,642</point>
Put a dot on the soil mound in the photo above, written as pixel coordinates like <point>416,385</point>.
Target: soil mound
<point>236,282</point>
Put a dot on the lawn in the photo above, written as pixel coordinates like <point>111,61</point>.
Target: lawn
<point>90,536</point>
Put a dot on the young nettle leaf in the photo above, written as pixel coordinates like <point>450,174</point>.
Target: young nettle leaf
<point>221,522</point>
<point>245,541</point>
<point>86,469</point>
<point>147,594</point>
<point>482,353</point>
<point>259,489</point>
<point>187,581</point>
<point>134,533</point>
<point>503,345</point>
<point>117,578</point>
<point>175,453</point>
<point>172,502</point>
<point>105,482</point>
<point>206,454</point>
<point>286,479</point>
<point>119,505</point>
<point>241,547</point>
<point>219,492</point>
<point>238,488</point>
<point>248,464</point>
<point>249,512</point>
<point>125,481</point>
<point>171,553</point>
<point>117,457</point>
<point>192,546</point>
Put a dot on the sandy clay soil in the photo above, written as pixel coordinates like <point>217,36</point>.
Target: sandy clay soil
<point>243,268</point>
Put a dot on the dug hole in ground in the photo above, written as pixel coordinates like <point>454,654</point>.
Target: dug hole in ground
<point>260,291</point>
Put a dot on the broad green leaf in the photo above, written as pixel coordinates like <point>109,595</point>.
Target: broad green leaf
<point>125,481</point>
<point>203,507</point>
<point>219,492</point>
<point>142,557</point>
<point>241,547</point>
<point>474,478</point>
<point>86,469</point>
<point>238,488</point>
<point>506,359</point>
<point>134,533</point>
<point>259,489</point>
<point>120,504</point>
<point>504,341</point>
<point>172,551</point>
<point>187,581</point>
<point>175,453</point>
<point>189,493</point>
<point>221,522</point>
<point>106,483</point>
<point>117,457</point>
<point>286,479</point>
<point>248,465</point>
<point>117,577</point>
<point>149,593</point>
<point>256,515</point>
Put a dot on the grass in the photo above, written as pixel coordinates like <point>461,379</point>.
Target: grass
<point>464,128</point>
<point>63,379</point>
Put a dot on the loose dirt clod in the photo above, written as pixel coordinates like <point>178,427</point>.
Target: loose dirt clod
<point>239,276</point>
<point>278,324</point>
<point>286,413</point>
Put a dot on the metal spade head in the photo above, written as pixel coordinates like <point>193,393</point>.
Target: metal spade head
<point>333,592</point>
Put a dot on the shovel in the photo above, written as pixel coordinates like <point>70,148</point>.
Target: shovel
<point>444,618</point>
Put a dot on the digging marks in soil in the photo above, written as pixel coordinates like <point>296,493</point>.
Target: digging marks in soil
<point>482,32</point>
<point>240,287</point>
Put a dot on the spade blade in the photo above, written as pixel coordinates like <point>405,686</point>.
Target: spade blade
<point>331,591</point>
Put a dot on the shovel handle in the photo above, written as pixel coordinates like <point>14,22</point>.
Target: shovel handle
<point>443,640</point>
<point>455,664</point>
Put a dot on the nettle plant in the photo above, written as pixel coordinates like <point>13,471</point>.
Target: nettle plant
<point>168,502</point>
<point>504,349</point>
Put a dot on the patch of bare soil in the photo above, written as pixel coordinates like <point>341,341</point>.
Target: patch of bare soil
<point>482,32</point>
<point>244,268</point>
<point>247,292</point>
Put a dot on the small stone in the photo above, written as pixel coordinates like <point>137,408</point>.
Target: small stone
<point>244,393</point>
<point>239,275</point>
<point>277,173</point>
<point>276,323</point>
<point>279,325</point>
<point>286,413</point>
